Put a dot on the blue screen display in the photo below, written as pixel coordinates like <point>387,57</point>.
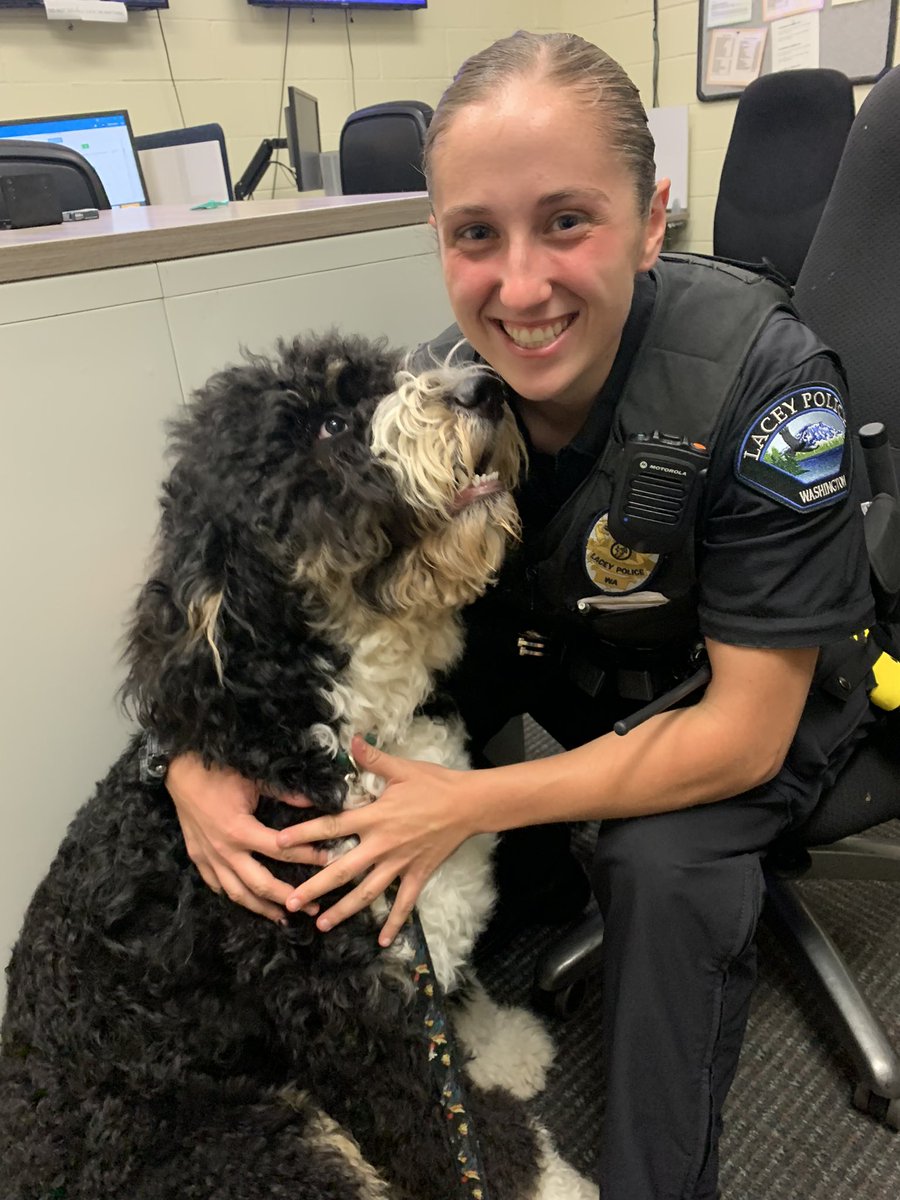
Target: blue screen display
<point>339,3</point>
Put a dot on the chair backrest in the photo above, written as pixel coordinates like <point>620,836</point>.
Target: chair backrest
<point>162,175</point>
<point>786,142</point>
<point>76,182</point>
<point>848,288</point>
<point>381,148</point>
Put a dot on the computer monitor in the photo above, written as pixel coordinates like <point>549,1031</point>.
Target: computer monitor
<point>138,5</point>
<point>301,119</point>
<point>340,3</point>
<point>104,139</point>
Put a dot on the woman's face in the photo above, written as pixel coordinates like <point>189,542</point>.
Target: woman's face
<point>540,239</point>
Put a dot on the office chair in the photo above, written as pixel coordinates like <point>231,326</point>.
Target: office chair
<point>786,141</point>
<point>191,135</point>
<point>847,293</point>
<point>381,148</point>
<point>77,183</point>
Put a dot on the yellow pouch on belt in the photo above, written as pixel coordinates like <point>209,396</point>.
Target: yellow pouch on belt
<point>886,693</point>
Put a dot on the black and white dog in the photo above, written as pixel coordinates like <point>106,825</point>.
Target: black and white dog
<point>326,518</point>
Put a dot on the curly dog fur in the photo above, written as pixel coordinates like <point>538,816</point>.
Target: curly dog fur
<point>326,518</point>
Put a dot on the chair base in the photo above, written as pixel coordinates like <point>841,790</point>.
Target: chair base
<point>876,1061</point>
<point>856,858</point>
<point>561,974</point>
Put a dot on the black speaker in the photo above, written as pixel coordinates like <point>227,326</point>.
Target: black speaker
<point>381,148</point>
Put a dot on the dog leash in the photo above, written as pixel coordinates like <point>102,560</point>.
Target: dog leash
<point>472,1183</point>
<point>442,1058</point>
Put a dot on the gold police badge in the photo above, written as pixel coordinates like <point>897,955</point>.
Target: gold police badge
<point>613,567</point>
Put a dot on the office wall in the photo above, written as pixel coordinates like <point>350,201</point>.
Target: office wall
<point>227,61</point>
<point>624,29</point>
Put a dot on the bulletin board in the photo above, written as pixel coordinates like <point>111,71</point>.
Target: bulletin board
<point>739,40</point>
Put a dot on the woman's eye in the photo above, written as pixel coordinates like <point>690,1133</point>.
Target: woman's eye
<point>332,426</point>
<point>475,233</point>
<point>567,221</point>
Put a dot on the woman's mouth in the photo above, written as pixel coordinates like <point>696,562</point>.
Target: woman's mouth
<point>536,337</point>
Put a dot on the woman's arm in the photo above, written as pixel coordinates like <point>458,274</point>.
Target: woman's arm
<point>735,738</point>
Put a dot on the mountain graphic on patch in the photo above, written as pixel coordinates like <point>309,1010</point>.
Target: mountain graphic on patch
<point>812,435</point>
<point>807,448</point>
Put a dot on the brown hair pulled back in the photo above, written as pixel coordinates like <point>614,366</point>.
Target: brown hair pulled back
<point>570,62</point>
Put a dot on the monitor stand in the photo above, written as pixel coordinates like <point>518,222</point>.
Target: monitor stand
<point>256,168</point>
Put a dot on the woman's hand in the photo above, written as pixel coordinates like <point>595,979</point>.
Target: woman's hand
<point>216,809</point>
<point>405,834</point>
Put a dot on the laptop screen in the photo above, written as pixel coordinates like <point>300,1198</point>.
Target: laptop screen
<point>104,139</point>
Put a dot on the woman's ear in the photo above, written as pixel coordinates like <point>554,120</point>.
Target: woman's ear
<point>654,230</point>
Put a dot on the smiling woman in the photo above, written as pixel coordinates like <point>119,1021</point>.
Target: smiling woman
<point>540,257</point>
<point>550,223</point>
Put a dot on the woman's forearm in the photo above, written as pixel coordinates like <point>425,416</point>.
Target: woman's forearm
<point>735,738</point>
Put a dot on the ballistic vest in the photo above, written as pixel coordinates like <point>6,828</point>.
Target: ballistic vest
<point>575,578</point>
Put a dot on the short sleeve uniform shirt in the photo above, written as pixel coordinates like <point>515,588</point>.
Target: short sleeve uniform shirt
<point>768,574</point>
<point>773,570</point>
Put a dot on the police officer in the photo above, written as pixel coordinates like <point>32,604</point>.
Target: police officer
<point>668,388</point>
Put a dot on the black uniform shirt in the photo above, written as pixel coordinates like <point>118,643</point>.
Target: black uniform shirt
<point>768,575</point>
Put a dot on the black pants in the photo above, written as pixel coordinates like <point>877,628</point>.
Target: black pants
<point>681,894</point>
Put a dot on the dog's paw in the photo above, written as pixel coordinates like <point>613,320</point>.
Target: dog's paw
<point>558,1180</point>
<point>509,1047</point>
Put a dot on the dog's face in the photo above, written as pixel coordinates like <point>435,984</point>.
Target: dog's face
<point>364,486</point>
<point>312,495</point>
<point>443,451</point>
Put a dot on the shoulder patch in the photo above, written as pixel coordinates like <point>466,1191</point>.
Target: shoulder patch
<point>795,449</point>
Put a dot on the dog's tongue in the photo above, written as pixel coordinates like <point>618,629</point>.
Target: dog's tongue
<point>475,491</point>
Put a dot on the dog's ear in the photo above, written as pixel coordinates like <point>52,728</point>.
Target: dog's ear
<point>221,657</point>
<point>174,649</point>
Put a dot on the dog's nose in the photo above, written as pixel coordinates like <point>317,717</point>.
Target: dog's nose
<point>482,393</point>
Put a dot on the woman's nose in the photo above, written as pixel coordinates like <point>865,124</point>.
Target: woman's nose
<point>524,283</point>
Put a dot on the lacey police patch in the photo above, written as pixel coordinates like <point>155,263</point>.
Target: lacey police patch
<point>613,568</point>
<point>794,451</point>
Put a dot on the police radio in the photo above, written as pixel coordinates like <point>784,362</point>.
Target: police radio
<point>657,489</point>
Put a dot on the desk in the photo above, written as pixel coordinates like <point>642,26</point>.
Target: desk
<point>126,236</point>
<point>105,327</point>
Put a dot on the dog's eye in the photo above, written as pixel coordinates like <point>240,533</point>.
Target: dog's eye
<point>332,426</point>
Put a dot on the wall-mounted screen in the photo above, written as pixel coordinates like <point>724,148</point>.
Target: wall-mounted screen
<point>339,3</point>
<point>134,5</point>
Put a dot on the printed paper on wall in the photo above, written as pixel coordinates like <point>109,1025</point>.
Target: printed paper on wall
<point>735,56</point>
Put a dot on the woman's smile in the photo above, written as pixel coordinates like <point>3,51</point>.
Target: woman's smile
<point>537,336</point>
